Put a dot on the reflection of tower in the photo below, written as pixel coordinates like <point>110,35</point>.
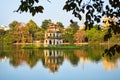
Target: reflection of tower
<point>53,58</point>
<point>110,65</point>
<point>81,54</point>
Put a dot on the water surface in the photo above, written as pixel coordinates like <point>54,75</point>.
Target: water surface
<point>86,64</point>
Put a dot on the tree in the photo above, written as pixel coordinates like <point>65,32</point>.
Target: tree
<point>13,24</point>
<point>96,36</point>
<point>32,28</point>
<point>14,32</point>
<point>45,24</point>
<point>60,24</point>
<point>29,5</point>
<point>2,33</point>
<point>68,35</point>
<point>74,26</point>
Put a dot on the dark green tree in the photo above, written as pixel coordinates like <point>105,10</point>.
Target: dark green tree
<point>60,24</point>
<point>45,24</point>
<point>2,33</point>
<point>74,26</point>
<point>32,26</point>
<point>13,24</point>
<point>68,36</point>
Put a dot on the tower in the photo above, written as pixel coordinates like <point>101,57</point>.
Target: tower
<point>53,36</point>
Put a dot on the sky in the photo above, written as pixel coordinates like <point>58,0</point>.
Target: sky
<point>53,11</point>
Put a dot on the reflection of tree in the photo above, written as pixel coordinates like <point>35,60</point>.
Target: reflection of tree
<point>112,51</point>
<point>31,57</point>
<point>53,59</point>
<point>71,56</point>
<point>110,64</point>
<point>2,55</point>
<point>95,53</point>
<point>3,59</point>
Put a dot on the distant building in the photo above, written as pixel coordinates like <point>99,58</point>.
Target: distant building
<point>5,28</point>
<point>53,35</point>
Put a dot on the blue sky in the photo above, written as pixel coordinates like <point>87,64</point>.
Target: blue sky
<point>53,11</point>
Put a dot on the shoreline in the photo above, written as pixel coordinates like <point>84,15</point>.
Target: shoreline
<point>76,44</point>
<point>55,47</point>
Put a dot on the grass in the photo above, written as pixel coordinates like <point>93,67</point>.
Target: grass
<point>55,47</point>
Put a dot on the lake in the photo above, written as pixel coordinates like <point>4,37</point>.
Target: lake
<point>37,64</point>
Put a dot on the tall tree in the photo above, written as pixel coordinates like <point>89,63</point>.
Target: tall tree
<point>60,24</point>
<point>32,26</point>
<point>74,26</point>
<point>45,24</point>
<point>13,24</point>
<point>68,35</point>
<point>2,33</point>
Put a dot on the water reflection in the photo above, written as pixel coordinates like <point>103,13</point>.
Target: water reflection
<point>3,59</point>
<point>53,59</point>
<point>109,64</point>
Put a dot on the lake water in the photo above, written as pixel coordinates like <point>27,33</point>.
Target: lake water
<point>85,64</point>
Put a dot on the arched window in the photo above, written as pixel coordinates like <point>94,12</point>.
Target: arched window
<point>50,53</point>
<point>86,39</point>
<point>50,42</point>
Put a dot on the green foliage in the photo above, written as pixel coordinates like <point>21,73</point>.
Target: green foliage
<point>112,52</point>
<point>69,32</point>
<point>96,36</point>
<point>13,24</point>
<point>45,24</point>
<point>74,26</point>
<point>32,56</point>
<point>80,7</point>
<point>21,33</point>
<point>28,5</point>
<point>2,33</point>
<point>60,24</point>
<point>32,27</point>
<point>68,36</point>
